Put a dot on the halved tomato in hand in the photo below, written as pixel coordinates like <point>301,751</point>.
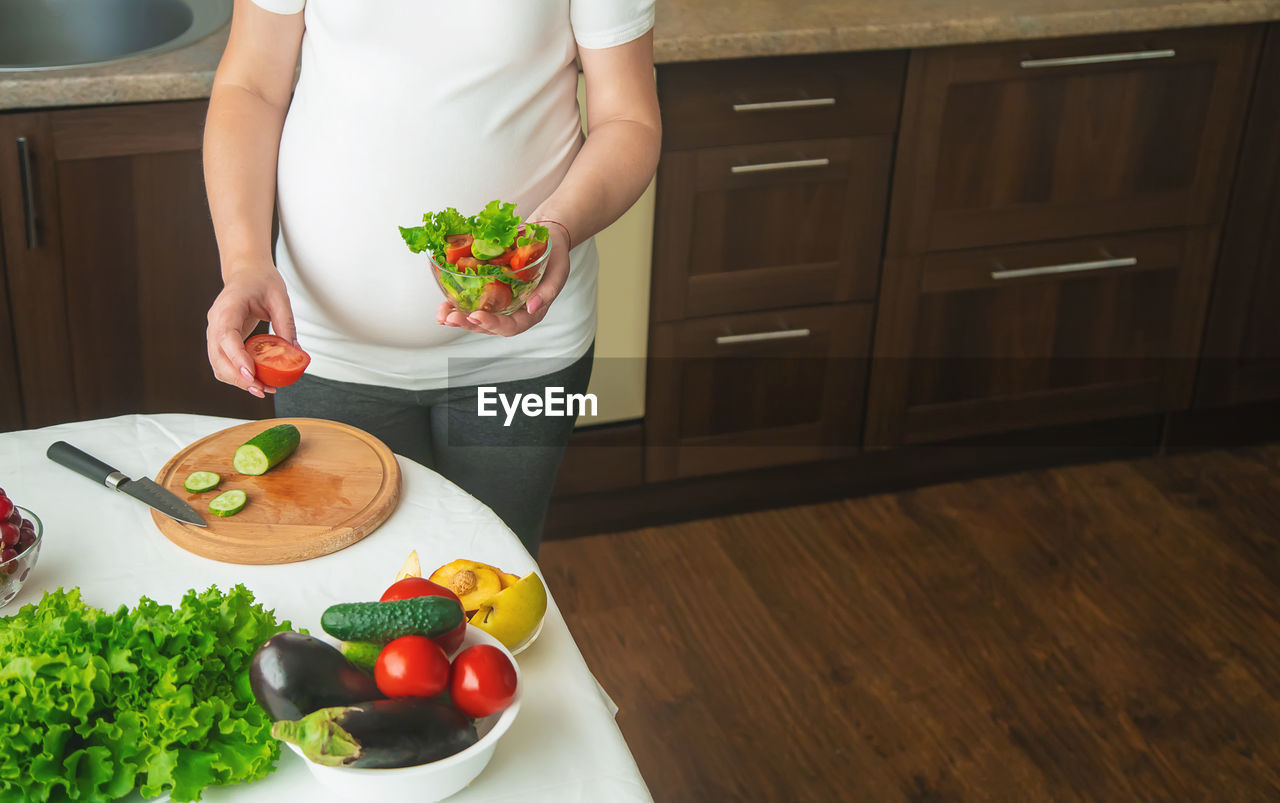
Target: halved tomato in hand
<point>411,666</point>
<point>411,587</point>
<point>495,297</point>
<point>276,361</point>
<point>457,246</point>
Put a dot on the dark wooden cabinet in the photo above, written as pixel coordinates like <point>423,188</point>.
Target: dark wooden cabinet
<point>1014,337</point>
<point>1068,137</point>
<point>772,197</point>
<point>764,388</point>
<point>748,227</point>
<point>10,389</point>
<point>111,263</point>
<point>1241,357</point>
<point>1056,211</point>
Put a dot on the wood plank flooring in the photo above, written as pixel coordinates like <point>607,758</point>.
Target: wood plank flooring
<point>1090,633</point>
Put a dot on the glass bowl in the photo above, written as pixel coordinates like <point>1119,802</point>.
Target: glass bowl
<point>500,293</point>
<point>14,572</point>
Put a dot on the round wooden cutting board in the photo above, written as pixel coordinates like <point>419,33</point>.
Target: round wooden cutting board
<point>338,486</point>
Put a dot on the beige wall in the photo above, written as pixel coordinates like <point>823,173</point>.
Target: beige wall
<point>626,251</point>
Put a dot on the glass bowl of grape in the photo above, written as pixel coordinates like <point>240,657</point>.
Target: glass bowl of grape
<point>20,533</point>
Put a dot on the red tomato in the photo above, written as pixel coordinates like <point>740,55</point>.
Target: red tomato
<point>503,258</point>
<point>483,681</point>
<point>411,666</point>
<point>467,263</point>
<point>495,297</point>
<point>457,246</point>
<point>276,361</point>
<point>524,255</point>
<point>422,587</point>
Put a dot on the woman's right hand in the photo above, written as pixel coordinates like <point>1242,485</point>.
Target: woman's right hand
<point>250,294</point>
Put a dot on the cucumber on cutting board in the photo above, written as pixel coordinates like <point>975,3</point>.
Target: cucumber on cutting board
<point>228,503</point>
<point>200,481</point>
<point>267,449</point>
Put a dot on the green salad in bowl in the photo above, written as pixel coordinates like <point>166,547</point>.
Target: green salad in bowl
<point>490,261</point>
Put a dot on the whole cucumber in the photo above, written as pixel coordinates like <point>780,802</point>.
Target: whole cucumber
<point>383,621</point>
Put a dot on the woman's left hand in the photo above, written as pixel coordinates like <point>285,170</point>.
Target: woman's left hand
<point>535,308</point>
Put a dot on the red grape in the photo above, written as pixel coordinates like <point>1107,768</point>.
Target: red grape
<point>28,526</point>
<point>15,517</point>
<point>6,507</point>
<point>25,542</point>
<point>9,533</point>
<point>8,553</point>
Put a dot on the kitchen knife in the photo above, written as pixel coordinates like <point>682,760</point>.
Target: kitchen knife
<point>64,454</point>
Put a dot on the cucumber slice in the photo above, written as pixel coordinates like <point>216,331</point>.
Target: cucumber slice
<point>267,449</point>
<point>200,481</point>
<point>228,503</point>
<point>486,249</point>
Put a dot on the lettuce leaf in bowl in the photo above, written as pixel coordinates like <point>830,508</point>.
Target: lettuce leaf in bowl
<point>436,226</point>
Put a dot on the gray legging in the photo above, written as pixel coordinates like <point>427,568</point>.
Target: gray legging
<point>510,468</point>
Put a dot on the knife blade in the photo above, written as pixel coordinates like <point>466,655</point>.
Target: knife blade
<point>142,489</point>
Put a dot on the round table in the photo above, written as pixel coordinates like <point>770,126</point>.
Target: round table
<point>564,746</point>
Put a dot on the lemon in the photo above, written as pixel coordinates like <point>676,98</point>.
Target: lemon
<point>514,613</point>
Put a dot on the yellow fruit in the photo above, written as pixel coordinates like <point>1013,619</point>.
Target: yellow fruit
<point>474,583</point>
<point>411,567</point>
<point>509,580</point>
<point>514,613</point>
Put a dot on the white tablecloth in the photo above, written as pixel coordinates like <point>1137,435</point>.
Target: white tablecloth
<point>564,747</point>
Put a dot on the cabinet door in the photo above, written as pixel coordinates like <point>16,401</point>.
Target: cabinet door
<point>742,391</point>
<point>1062,138</point>
<point>741,101</point>
<point>10,389</point>
<point>114,265</point>
<point>751,227</point>
<point>1241,361</point>
<point>1018,337</point>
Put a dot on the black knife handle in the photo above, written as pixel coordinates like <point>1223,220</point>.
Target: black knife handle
<point>64,454</point>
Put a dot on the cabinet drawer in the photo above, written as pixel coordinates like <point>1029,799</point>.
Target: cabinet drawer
<point>1049,139</point>
<point>772,99</point>
<point>1008,338</point>
<point>743,391</point>
<point>763,226</point>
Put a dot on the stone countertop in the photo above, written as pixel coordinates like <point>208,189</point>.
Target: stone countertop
<point>699,30</point>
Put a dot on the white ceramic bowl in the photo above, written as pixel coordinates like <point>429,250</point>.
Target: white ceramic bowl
<point>437,780</point>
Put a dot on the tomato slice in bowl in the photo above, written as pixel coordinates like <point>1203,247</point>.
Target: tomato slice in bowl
<point>495,297</point>
<point>525,255</point>
<point>276,361</point>
<point>456,247</point>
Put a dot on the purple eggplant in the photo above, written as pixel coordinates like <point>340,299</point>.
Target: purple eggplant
<point>293,674</point>
<point>381,734</point>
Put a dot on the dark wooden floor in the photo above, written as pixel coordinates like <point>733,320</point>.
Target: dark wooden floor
<point>1107,632</point>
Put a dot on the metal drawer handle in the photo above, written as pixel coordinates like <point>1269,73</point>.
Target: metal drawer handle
<point>1071,267</point>
<point>773,105</point>
<point>766,166</point>
<point>29,212</point>
<point>785,334</point>
<point>1101,58</point>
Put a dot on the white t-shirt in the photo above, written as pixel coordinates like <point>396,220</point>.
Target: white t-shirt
<point>410,106</point>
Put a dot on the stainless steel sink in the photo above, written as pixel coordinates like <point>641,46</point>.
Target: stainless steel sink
<point>53,34</point>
